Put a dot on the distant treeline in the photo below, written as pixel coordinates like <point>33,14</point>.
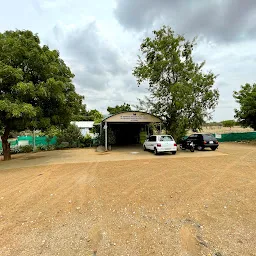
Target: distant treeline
<point>226,123</point>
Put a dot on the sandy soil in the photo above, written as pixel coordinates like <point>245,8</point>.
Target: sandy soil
<point>200,203</point>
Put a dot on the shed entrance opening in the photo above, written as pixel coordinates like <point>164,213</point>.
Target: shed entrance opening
<point>128,128</point>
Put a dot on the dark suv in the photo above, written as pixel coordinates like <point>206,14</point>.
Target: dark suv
<point>202,141</point>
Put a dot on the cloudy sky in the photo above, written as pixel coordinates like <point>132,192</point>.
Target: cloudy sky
<point>100,39</point>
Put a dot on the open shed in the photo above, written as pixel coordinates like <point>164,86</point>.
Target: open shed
<point>128,127</point>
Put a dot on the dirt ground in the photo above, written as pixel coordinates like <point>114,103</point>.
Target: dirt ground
<point>129,203</point>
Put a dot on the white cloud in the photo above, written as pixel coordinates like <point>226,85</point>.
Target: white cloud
<point>103,55</point>
<point>51,4</point>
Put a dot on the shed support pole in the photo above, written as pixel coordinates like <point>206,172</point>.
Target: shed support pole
<point>106,136</point>
<point>160,128</point>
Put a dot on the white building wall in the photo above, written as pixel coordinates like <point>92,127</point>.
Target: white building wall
<point>84,127</point>
<point>84,131</point>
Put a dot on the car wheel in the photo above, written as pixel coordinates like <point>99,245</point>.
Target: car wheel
<point>174,152</point>
<point>200,148</point>
<point>214,148</point>
<point>192,149</point>
<point>155,151</point>
<point>145,149</point>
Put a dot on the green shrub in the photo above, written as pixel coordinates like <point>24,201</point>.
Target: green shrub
<point>46,147</point>
<point>71,135</point>
<point>111,138</point>
<point>51,147</point>
<point>26,149</point>
<point>42,147</point>
<point>63,145</point>
<point>86,141</point>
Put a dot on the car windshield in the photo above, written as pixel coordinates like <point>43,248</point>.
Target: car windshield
<point>208,137</point>
<point>166,138</point>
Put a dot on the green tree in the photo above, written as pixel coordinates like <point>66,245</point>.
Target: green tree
<point>36,89</point>
<point>84,115</point>
<point>95,115</point>
<point>119,108</point>
<point>228,123</point>
<point>246,97</point>
<point>180,92</point>
<point>81,115</point>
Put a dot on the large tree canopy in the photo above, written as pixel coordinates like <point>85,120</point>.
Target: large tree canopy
<point>119,108</point>
<point>36,89</point>
<point>246,97</point>
<point>180,92</point>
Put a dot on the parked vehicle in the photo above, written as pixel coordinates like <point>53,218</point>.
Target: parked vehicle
<point>188,144</point>
<point>202,141</point>
<point>160,144</point>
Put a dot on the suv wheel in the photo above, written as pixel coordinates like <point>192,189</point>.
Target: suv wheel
<point>155,151</point>
<point>200,148</point>
<point>145,149</point>
<point>174,152</point>
<point>213,148</point>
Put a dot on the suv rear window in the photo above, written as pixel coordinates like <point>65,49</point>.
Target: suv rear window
<point>208,137</point>
<point>165,138</point>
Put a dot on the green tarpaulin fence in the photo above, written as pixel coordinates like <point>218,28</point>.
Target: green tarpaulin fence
<point>40,141</point>
<point>229,137</point>
<point>235,136</point>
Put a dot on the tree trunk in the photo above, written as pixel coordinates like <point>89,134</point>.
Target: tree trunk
<point>6,144</point>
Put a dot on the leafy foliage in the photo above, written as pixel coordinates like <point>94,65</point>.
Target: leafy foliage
<point>95,115</point>
<point>119,108</point>
<point>111,138</point>
<point>246,97</point>
<point>228,123</point>
<point>46,147</point>
<point>81,115</point>
<point>50,133</point>
<point>36,89</point>
<point>71,134</point>
<point>26,149</point>
<point>86,141</point>
<point>84,115</point>
<point>180,92</point>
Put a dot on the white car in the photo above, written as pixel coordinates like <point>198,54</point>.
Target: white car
<point>160,143</point>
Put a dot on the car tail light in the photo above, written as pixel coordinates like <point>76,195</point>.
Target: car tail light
<point>175,145</point>
<point>158,145</point>
<point>217,142</point>
<point>205,142</point>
